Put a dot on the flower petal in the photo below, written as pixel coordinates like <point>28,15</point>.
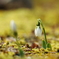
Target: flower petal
<point>38,31</point>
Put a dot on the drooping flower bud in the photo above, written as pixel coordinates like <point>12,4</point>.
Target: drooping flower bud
<point>38,31</point>
<point>13,25</point>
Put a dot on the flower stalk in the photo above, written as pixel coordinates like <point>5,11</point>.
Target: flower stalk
<point>45,43</point>
<point>43,30</point>
<point>13,28</point>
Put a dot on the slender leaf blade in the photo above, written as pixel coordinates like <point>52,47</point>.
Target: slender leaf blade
<point>44,44</point>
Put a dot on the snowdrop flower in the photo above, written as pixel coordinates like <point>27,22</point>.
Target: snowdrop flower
<point>13,25</point>
<point>38,31</point>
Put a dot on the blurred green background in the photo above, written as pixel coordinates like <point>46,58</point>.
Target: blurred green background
<point>26,18</point>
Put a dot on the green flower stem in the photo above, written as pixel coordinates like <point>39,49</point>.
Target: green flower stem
<point>21,53</point>
<point>43,30</point>
<point>17,43</point>
<point>16,34</point>
<point>45,42</point>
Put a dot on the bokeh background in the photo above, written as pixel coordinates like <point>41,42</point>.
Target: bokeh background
<point>25,14</point>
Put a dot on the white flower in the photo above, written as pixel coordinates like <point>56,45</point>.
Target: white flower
<point>13,25</point>
<point>38,31</point>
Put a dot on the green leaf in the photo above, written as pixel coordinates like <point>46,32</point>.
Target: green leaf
<point>21,52</point>
<point>49,46</point>
<point>44,44</point>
